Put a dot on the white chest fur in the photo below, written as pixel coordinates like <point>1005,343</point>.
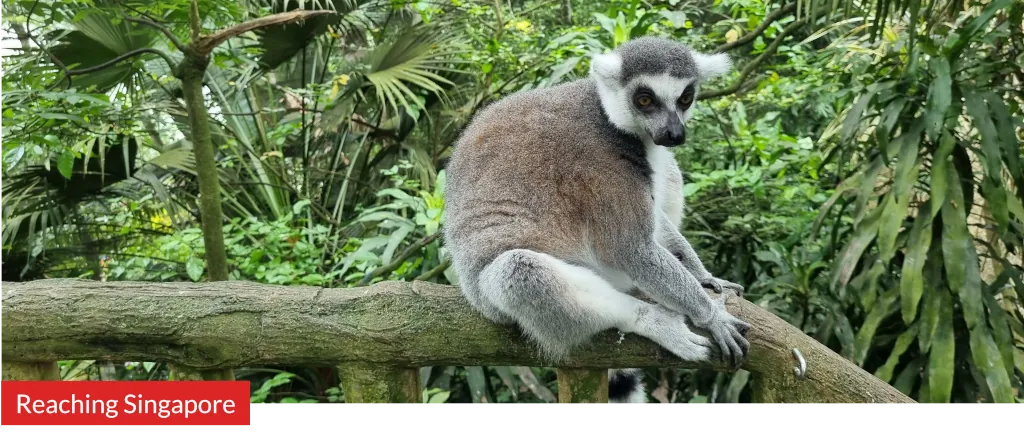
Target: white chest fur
<point>660,158</point>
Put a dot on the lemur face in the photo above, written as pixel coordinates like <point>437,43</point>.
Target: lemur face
<point>660,106</point>
<point>648,86</point>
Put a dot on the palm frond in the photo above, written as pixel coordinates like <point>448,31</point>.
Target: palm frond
<point>414,60</point>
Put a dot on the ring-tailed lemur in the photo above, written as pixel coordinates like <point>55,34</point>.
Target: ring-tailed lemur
<point>560,201</point>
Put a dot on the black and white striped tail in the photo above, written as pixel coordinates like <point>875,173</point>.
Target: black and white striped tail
<point>626,386</point>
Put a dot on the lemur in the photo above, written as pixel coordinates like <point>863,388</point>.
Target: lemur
<point>561,201</point>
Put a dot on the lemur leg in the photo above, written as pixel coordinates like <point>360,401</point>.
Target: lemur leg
<point>560,306</point>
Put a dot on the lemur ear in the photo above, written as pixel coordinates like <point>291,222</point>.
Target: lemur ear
<point>712,65</point>
<point>606,67</point>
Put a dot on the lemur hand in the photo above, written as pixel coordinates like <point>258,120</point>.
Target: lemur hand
<point>720,285</point>
<point>729,333</point>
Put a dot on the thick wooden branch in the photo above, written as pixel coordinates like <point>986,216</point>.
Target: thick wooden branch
<point>402,324</point>
<point>205,45</point>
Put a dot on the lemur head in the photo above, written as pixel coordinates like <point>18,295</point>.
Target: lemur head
<point>648,86</point>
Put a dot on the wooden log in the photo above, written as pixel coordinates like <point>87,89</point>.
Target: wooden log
<point>411,324</point>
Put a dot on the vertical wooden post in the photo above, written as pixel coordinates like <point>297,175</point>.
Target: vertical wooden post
<point>379,383</point>
<point>582,385</point>
<point>48,371</point>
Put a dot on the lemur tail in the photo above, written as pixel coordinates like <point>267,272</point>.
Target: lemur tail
<point>626,386</point>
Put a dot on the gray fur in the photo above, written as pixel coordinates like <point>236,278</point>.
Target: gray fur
<point>655,56</point>
<point>559,204</point>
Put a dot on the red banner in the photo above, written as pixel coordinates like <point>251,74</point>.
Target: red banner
<point>125,402</point>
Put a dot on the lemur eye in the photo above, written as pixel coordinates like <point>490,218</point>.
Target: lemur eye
<point>687,98</point>
<point>644,100</point>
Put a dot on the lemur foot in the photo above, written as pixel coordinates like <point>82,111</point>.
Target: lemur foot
<point>670,330</point>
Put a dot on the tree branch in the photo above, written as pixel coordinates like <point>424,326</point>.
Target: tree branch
<point>167,58</point>
<point>167,32</point>
<point>229,324</point>
<point>748,69</point>
<point>768,20</point>
<point>205,45</point>
<point>406,254</point>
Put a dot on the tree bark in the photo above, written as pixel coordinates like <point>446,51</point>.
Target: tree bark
<point>379,384</point>
<point>191,73</point>
<point>20,371</point>
<point>408,324</point>
<point>582,385</point>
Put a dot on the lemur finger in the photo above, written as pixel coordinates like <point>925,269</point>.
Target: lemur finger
<point>742,327</point>
<point>723,347</point>
<point>736,353</point>
<point>744,344</point>
<point>713,285</point>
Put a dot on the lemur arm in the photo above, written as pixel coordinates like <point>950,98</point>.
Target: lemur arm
<point>677,244</point>
<point>657,273</point>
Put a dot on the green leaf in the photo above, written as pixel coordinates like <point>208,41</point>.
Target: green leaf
<point>77,368</point>
<point>964,275</point>
<point>853,119</point>
<point>978,109</point>
<point>959,254</point>
<point>932,300</point>
<point>1005,127</point>
<point>902,343</point>
<point>939,97</point>
<point>866,190</point>
<point>966,32</point>
<point>996,197</point>
<point>890,115</point>
<point>910,374</point>
<point>988,360</point>
<point>194,267</point>
<point>736,385</point>
<point>844,332</point>
<point>66,163</point>
<point>439,397</point>
<point>942,355</point>
<point>940,167</point>
<point>477,379</point>
<point>867,330</point>
<point>1000,323</point>
<point>912,281</point>
<point>851,255</point>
